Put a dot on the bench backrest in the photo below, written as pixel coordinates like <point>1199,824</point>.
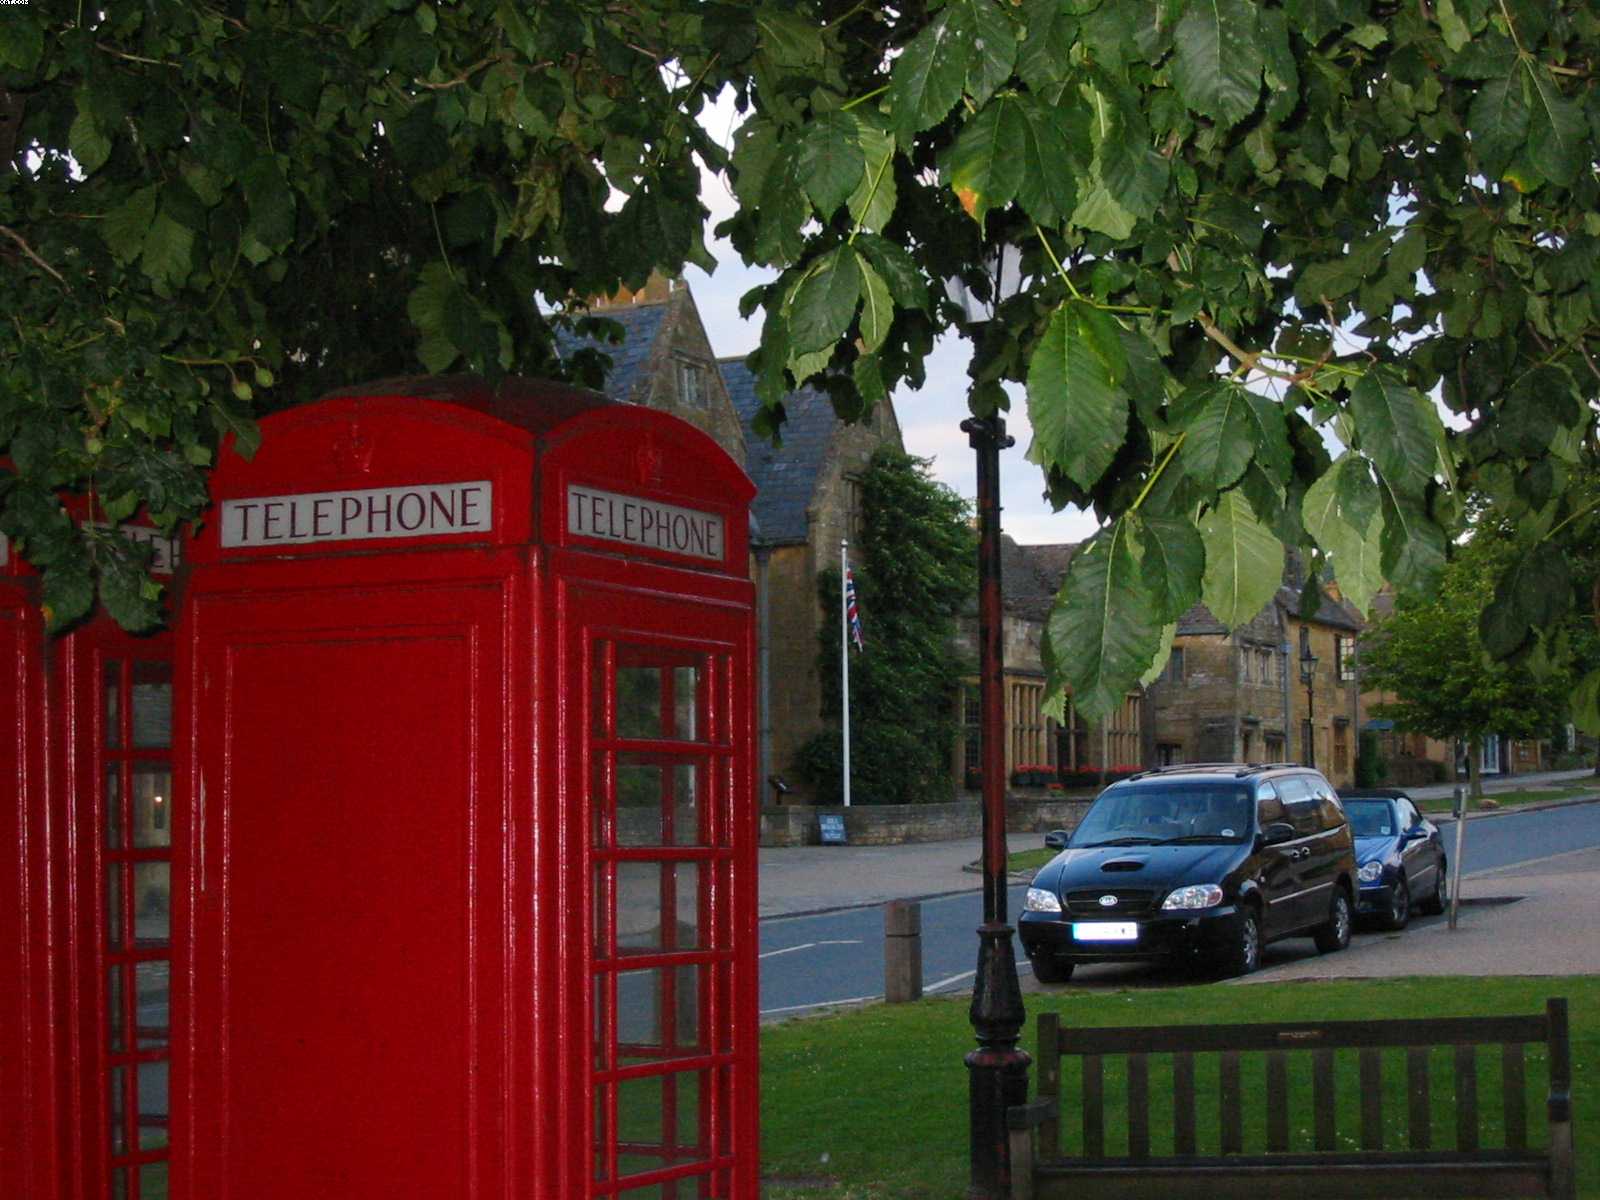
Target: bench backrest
<point>1282,1044</point>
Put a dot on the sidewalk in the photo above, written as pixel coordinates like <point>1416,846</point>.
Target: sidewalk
<point>1546,931</point>
<point>1506,783</point>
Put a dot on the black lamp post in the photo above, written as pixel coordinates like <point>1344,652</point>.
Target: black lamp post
<point>1308,676</point>
<point>997,1069</point>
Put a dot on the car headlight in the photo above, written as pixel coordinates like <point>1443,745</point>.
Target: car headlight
<point>1041,900</point>
<point>1370,872</point>
<point>1196,895</point>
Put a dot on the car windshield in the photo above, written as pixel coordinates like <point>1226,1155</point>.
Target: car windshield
<point>1149,815</point>
<point>1370,818</point>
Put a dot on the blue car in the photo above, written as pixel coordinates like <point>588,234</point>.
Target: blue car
<point>1400,860</point>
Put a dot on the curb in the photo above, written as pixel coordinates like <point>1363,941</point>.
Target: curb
<point>1542,806</point>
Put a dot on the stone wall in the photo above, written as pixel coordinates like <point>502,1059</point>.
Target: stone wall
<point>892,824</point>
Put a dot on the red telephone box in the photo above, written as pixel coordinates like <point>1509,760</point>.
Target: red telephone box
<point>468,896</point>
<point>87,845</point>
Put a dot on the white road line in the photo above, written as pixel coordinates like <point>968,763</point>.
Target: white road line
<point>811,945</point>
<point>1022,963</point>
<point>767,1012</point>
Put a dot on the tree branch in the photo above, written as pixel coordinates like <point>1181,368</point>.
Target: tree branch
<point>28,250</point>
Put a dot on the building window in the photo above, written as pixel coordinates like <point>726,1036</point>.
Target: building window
<point>1274,747</point>
<point>1264,663</point>
<point>1245,672</point>
<point>1174,673</point>
<point>854,518</point>
<point>1344,653</point>
<point>1249,745</point>
<point>1341,749</point>
<point>971,736</point>
<point>1168,754</point>
<point>691,385</point>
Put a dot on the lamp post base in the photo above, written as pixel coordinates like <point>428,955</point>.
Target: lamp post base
<point>997,1069</point>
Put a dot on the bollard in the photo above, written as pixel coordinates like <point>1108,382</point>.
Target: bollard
<point>1460,802</point>
<point>902,951</point>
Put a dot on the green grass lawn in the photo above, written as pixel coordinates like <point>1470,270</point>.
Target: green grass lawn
<point>1029,860</point>
<point>1518,798</point>
<point>872,1104</point>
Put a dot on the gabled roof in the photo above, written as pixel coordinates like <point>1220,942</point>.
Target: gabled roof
<point>640,325</point>
<point>1030,576</point>
<point>785,476</point>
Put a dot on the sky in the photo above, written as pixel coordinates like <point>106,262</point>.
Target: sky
<point>930,419</point>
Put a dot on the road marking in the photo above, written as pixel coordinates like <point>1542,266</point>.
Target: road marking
<point>810,945</point>
<point>934,987</point>
<point>767,1012</point>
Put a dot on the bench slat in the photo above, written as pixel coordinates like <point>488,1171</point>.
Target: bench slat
<point>1513,1092</point>
<point>1183,1140</point>
<point>1420,1103</point>
<point>1050,1081</point>
<point>1094,1107</point>
<point>1466,1097</point>
<point>1277,1100</point>
<point>1231,1178</point>
<point>1167,1039</point>
<point>1138,1106</point>
<point>1322,1097</point>
<point>1371,1100</point>
<point>1231,1109</point>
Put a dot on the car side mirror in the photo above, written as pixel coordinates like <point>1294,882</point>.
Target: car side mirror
<point>1415,833</point>
<point>1277,833</point>
<point>1056,839</point>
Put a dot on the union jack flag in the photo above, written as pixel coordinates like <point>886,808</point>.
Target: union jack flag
<point>852,610</point>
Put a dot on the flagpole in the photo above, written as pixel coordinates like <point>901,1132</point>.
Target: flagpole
<point>844,657</point>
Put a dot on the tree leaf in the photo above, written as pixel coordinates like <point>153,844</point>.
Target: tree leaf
<point>1585,710</point>
<point>125,226</point>
<point>995,50</point>
<point>892,262</point>
<point>1412,545</point>
<point>1078,417</point>
<point>1103,631</point>
<point>1218,61</point>
<point>168,247</point>
<point>831,163</point>
<point>1098,210</point>
<point>1555,129</point>
<point>1169,634</point>
<point>1244,561</point>
<point>927,78</point>
<point>1349,536</point>
<point>872,203</point>
<point>1172,559</point>
<point>1048,191</point>
<point>877,309</point>
<point>90,147</point>
<point>1395,429</point>
<point>824,302</point>
<point>1045,57</point>
<point>1498,122</point>
<point>985,166</point>
<point>1220,442</point>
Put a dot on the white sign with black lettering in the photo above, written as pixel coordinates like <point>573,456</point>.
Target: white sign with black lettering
<point>635,521</point>
<point>165,557</point>
<point>418,510</point>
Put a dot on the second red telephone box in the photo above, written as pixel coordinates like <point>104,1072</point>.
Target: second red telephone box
<point>468,873</point>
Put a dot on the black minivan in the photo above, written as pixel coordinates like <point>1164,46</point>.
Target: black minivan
<point>1203,863</point>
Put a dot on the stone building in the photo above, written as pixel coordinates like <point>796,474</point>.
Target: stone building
<point>808,499</point>
<point>808,490</point>
<point>1244,695</point>
<point>1030,576</point>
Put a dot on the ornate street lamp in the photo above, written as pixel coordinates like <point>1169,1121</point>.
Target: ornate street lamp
<point>998,1068</point>
<point>1308,676</point>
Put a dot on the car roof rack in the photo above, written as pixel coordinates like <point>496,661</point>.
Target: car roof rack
<point>1237,770</point>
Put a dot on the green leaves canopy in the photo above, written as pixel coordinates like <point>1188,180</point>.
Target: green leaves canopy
<point>1252,237</point>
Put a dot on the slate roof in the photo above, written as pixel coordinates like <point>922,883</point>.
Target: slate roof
<point>1030,576</point>
<point>785,476</point>
<point>629,359</point>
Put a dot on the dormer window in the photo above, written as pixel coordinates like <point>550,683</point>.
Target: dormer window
<point>691,384</point>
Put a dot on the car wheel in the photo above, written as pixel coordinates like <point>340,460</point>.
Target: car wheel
<point>1399,914</point>
<point>1335,934</point>
<point>1047,969</point>
<point>1245,954</point>
<point>1440,900</point>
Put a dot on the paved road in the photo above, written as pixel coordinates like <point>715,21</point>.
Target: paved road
<point>837,957</point>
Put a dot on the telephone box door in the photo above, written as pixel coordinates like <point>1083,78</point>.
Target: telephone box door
<point>671,982</point>
<point>349,1025</point>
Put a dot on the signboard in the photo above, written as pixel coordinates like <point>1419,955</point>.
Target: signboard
<point>635,521</point>
<point>415,510</point>
<point>164,559</point>
<point>5,550</point>
<point>833,831</point>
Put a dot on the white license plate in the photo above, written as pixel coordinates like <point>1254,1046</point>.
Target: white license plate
<point>1105,931</point>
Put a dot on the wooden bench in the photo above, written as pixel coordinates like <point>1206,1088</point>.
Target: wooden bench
<point>1356,1164</point>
